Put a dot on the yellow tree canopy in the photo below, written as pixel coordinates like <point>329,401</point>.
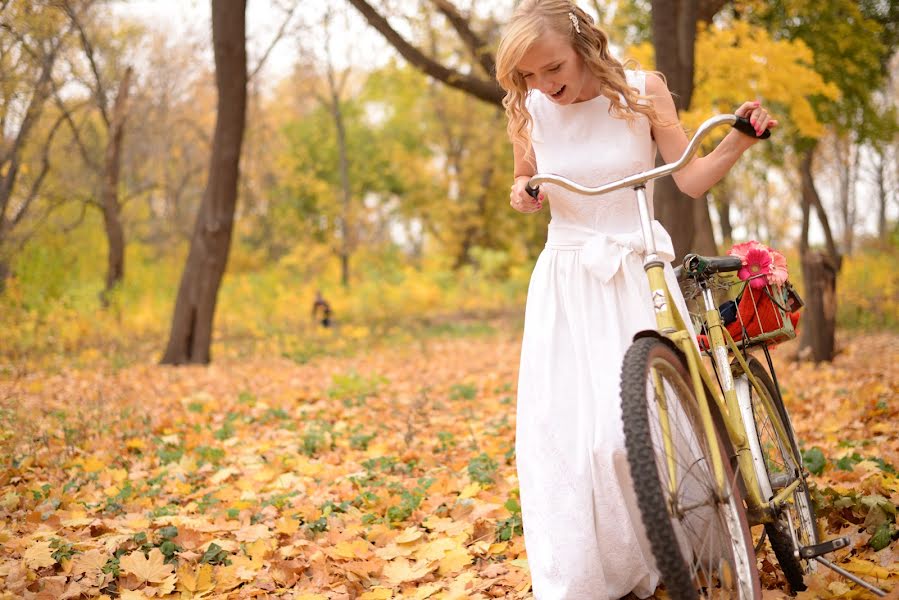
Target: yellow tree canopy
<point>737,61</point>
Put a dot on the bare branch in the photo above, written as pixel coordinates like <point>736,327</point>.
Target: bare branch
<point>475,43</point>
<point>487,90</point>
<point>76,131</point>
<point>281,31</point>
<point>99,92</point>
<point>39,180</point>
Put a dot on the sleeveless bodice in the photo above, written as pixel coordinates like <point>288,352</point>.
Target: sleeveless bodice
<point>583,142</point>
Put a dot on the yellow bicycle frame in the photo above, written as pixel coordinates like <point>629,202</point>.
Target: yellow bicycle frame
<point>671,324</point>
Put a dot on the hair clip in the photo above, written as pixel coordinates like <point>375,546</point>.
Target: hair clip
<point>574,21</point>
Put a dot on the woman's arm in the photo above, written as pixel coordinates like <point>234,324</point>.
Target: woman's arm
<point>525,168</point>
<point>702,173</point>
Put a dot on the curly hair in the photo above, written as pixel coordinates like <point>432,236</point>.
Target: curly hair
<point>530,20</point>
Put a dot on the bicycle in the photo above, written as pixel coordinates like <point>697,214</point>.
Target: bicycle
<point>711,448</point>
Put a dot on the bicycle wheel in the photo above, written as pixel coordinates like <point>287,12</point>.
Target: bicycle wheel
<point>778,464</point>
<point>699,536</point>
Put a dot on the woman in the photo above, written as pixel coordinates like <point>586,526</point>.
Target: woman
<point>574,110</point>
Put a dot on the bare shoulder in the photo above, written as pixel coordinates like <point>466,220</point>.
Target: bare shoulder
<point>655,85</point>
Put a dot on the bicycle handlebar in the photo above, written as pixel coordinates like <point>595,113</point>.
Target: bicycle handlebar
<point>741,124</point>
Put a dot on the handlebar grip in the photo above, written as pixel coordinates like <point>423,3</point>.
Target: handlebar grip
<point>532,191</point>
<point>745,127</point>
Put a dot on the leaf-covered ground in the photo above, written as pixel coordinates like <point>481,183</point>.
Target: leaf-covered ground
<point>386,475</point>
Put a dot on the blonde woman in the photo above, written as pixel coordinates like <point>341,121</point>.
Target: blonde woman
<point>574,110</point>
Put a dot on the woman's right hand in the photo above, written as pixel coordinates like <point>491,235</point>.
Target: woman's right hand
<point>521,201</point>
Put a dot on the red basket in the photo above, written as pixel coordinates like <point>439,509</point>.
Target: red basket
<point>768,314</point>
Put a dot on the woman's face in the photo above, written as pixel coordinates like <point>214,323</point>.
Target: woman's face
<point>552,66</point>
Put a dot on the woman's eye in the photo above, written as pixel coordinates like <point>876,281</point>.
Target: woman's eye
<point>526,76</point>
<point>555,68</point>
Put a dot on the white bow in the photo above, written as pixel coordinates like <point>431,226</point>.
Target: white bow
<point>603,253</point>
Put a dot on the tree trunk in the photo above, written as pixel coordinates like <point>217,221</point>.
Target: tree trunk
<point>112,221</point>
<point>674,38</point>
<point>819,273</point>
<point>882,195</point>
<point>722,205</point>
<point>346,191</point>
<point>4,274</point>
<point>191,332</point>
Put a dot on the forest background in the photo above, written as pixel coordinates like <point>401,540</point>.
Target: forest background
<point>374,167</point>
<point>397,215</point>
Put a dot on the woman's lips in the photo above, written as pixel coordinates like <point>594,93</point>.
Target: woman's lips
<point>558,94</point>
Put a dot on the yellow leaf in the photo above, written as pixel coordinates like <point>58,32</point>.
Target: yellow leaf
<point>311,597</point>
<point>258,550</point>
<point>377,594</point>
<point>409,535</point>
<point>402,571</point>
<point>136,443</point>
<point>287,526</point>
<point>498,548</point>
<point>436,549</point>
<point>470,491</point>
<point>90,562</point>
<point>521,563</point>
<point>195,581</point>
<point>352,549</point>
<point>133,595</point>
<point>39,555</point>
<point>92,465</point>
<point>426,591</point>
<point>455,560</point>
<point>150,569</point>
<point>864,567</point>
<point>226,578</point>
<point>251,533</point>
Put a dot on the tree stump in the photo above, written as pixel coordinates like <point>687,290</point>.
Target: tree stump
<point>818,326</point>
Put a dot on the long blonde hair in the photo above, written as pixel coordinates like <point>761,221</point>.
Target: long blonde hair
<point>530,20</point>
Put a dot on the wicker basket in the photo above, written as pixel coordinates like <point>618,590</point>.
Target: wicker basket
<point>753,315</point>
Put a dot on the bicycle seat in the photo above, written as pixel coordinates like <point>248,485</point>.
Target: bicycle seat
<point>697,266</point>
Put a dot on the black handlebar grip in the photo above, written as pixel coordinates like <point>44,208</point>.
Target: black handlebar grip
<point>532,191</point>
<point>744,126</point>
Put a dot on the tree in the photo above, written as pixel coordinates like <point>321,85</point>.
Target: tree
<point>674,28</point>
<point>113,120</point>
<point>849,50</point>
<point>32,41</point>
<point>191,331</point>
<point>482,87</point>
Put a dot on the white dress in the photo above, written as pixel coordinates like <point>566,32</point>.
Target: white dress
<point>588,296</point>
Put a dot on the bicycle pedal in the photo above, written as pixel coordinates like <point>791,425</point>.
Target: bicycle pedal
<point>810,552</point>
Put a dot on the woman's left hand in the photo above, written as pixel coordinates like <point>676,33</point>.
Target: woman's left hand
<point>758,116</point>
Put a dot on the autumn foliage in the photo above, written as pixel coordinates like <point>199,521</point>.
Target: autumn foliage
<point>388,474</point>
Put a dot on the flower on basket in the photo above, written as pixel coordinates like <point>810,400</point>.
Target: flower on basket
<point>758,259</point>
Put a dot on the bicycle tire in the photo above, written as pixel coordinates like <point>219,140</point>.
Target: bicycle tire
<point>701,543</point>
<point>783,464</point>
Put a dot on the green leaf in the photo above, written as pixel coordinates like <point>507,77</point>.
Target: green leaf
<point>814,460</point>
<point>882,537</point>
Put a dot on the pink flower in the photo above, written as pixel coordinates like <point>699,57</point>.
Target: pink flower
<point>741,250</point>
<point>757,267</point>
<point>759,259</point>
<point>778,269</point>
